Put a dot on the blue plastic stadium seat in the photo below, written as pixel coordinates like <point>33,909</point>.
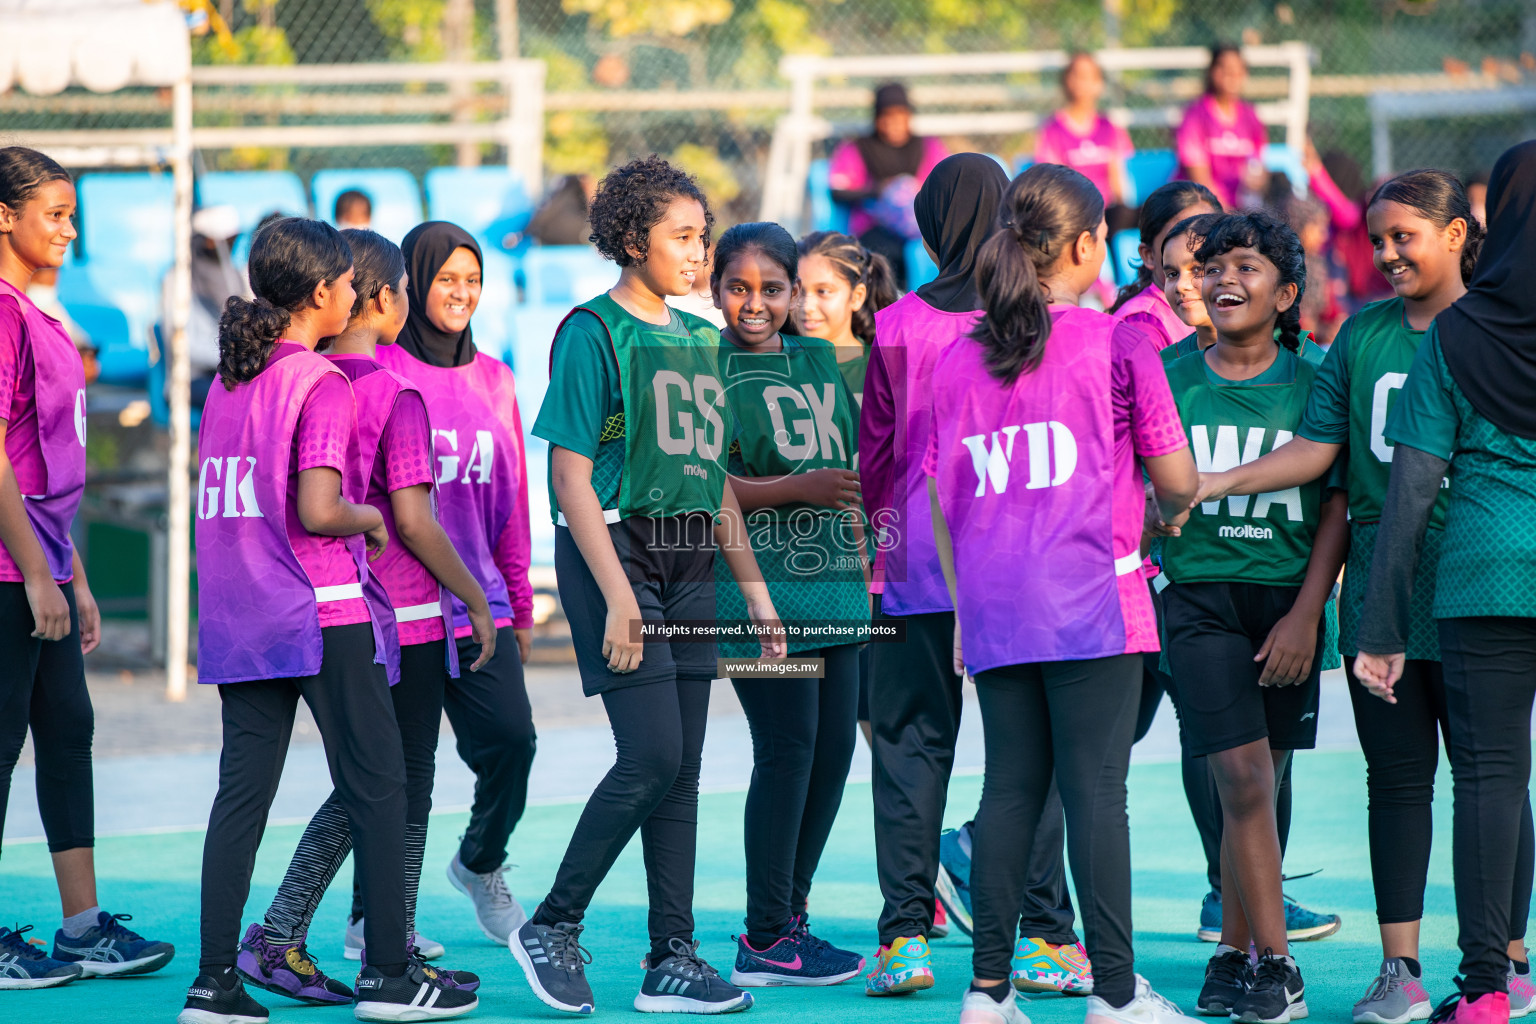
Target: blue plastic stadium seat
<point>825,214</point>
<point>488,202</point>
<point>393,192</point>
<point>1281,157</point>
<point>159,408</point>
<point>1024,164</point>
<point>536,326</point>
<point>494,326</point>
<point>254,194</point>
<point>1125,251</point>
<point>920,266</point>
<point>563,275</point>
<point>1148,170</point>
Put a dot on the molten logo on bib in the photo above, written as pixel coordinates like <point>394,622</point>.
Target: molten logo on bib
<point>1051,450</point>
<point>235,477</point>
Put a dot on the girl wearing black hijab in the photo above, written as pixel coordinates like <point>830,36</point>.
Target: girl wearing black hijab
<point>482,493</point>
<point>914,698</point>
<point>1466,413</point>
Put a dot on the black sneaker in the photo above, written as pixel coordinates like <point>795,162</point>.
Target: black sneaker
<point>684,983</point>
<point>466,980</point>
<point>554,964</point>
<point>418,994</point>
<point>1276,994</point>
<point>1227,977</point>
<point>220,1000</point>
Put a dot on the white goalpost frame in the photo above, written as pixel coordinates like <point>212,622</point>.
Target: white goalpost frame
<point>797,132</point>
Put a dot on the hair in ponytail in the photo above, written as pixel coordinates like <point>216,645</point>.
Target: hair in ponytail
<point>1165,205</point>
<point>377,263</point>
<point>1440,198</point>
<point>1043,213</point>
<point>288,259</point>
<point>1275,241</point>
<point>857,265</point>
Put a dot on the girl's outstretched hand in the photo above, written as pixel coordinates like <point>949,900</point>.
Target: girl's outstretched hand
<point>1379,673</point>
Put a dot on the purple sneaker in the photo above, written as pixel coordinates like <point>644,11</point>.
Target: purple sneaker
<point>287,970</point>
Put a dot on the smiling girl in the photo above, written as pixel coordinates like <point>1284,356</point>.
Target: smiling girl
<point>48,618</point>
<point>796,437</point>
<point>1246,595</point>
<point>842,286</point>
<point>1426,244</point>
<point>482,492</point>
<point>637,422</point>
<point>1142,301</point>
<point>1181,285</point>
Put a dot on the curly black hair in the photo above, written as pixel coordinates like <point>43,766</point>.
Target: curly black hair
<point>630,201</point>
<point>1275,241</point>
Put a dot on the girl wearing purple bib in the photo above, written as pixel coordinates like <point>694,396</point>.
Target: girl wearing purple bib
<point>1043,419</point>
<point>48,619</point>
<point>1142,301</point>
<point>396,448</point>
<point>481,474</point>
<point>287,608</point>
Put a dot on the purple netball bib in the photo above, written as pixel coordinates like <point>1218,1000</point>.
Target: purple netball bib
<point>911,335</point>
<point>257,610</point>
<point>414,594</point>
<point>1026,479</point>
<point>60,397</point>
<point>1152,300</point>
<point>477,441</point>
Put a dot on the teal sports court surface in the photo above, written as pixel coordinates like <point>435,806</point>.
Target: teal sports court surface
<point>156,877</point>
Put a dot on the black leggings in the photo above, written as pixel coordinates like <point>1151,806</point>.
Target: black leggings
<point>1075,719</point>
<point>349,698</point>
<point>914,712</point>
<point>42,685</point>
<point>803,734</point>
<point>1490,680</point>
<point>418,701</point>
<point>653,786</point>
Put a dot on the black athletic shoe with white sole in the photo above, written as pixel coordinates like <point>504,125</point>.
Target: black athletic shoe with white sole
<point>1276,995</point>
<point>220,999</point>
<point>1227,977</point>
<point>554,964</point>
<point>421,993</point>
<point>684,983</point>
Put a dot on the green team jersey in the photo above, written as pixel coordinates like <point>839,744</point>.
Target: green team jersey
<point>1488,553</point>
<point>853,373</point>
<point>1310,350</point>
<point>674,416</point>
<point>1263,538</point>
<point>794,413</point>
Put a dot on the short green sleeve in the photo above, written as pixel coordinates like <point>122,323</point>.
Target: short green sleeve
<point>1424,416</point>
<point>1326,418</point>
<point>583,387</point>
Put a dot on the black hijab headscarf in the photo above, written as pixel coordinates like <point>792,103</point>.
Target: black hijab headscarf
<point>1489,334</point>
<point>426,248</point>
<point>956,212</point>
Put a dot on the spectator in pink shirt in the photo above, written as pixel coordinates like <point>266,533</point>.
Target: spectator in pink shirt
<point>877,176</point>
<point>1082,138</point>
<point>1221,140</point>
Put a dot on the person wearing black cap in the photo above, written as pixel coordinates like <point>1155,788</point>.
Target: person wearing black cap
<point>1465,414</point>
<point>877,177</point>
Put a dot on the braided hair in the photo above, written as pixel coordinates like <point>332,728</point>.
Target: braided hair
<point>1275,241</point>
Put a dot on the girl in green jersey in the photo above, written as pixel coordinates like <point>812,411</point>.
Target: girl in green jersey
<point>842,286</point>
<point>635,417</point>
<point>1248,584</point>
<point>1426,243</point>
<point>796,434</point>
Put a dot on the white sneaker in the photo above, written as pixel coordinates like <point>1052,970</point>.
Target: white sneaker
<point>496,910</point>
<point>1146,1008</point>
<point>980,1008</point>
<point>352,943</point>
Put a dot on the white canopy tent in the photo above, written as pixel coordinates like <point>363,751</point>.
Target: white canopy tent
<point>47,46</point>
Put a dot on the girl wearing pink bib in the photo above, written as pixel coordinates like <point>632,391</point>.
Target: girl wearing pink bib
<point>48,619</point>
<point>1221,139</point>
<point>1043,420</point>
<point>1142,301</point>
<point>1082,138</point>
<point>287,608</point>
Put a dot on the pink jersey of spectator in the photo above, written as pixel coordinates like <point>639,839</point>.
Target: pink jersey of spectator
<point>1208,138</point>
<point>1092,154</point>
<point>847,173</point>
<point>320,440</point>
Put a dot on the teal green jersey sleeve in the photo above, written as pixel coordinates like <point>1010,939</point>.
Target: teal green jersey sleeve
<point>1425,416</point>
<point>583,388</point>
<point>1326,419</point>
